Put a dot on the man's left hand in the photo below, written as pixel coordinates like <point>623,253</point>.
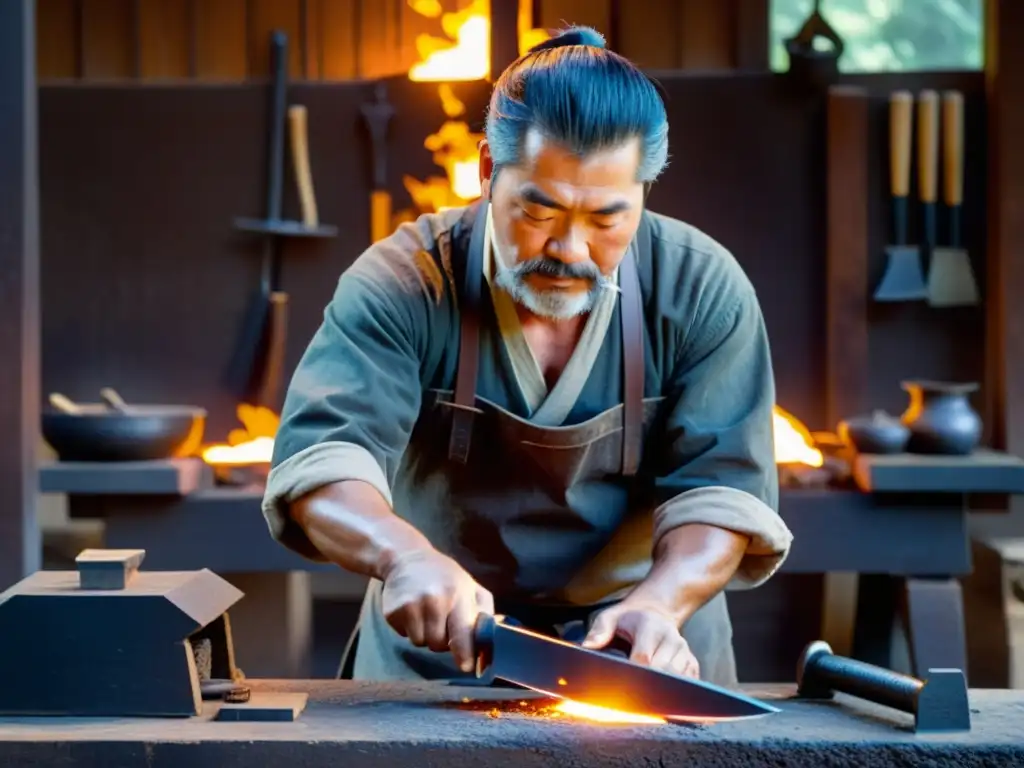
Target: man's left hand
<point>653,634</point>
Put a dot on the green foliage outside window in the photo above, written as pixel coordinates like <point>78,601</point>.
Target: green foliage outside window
<point>890,35</point>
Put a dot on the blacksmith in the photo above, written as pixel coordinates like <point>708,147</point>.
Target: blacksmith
<point>552,404</point>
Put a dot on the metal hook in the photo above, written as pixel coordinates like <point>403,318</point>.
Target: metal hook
<point>817,26</point>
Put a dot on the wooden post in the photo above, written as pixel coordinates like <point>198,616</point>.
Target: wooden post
<point>753,30</point>
<point>504,35</point>
<point>1004,286</point>
<point>20,548</point>
<point>846,286</point>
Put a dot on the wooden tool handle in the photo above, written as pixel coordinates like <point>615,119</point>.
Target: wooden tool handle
<point>277,344</point>
<point>928,145</point>
<point>953,147</point>
<point>380,215</point>
<point>298,131</point>
<point>900,122</point>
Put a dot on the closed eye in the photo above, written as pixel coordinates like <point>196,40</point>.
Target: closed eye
<point>531,217</point>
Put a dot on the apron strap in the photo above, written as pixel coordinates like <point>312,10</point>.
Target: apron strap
<point>632,314</point>
<point>630,311</point>
<point>469,342</point>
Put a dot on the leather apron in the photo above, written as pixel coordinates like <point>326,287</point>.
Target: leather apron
<point>545,518</point>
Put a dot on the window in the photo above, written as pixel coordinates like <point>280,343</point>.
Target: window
<point>889,35</point>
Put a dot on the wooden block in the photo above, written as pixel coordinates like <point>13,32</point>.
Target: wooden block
<point>265,708</point>
<point>108,568</point>
<point>984,471</point>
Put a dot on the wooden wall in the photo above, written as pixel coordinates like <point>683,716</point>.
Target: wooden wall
<point>226,40</point>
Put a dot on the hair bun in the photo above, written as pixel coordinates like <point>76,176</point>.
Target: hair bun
<point>572,36</point>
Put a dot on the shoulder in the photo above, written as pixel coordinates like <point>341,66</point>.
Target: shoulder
<point>412,266</point>
<point>694,261</point>
<point>693,279</point>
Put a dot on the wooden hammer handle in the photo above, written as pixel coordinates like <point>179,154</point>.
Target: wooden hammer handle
<point>299,133</point>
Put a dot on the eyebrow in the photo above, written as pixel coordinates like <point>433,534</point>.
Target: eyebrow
<point>533,195</point>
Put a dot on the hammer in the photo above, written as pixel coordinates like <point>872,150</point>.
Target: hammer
<point>938,704</point>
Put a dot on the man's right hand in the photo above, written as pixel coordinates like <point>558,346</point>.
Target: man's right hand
<point>430,599</point>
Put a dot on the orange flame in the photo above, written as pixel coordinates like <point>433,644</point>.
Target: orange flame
<point>604,714</point>
<point>462,55</point>
<point>793,441</point>
<point>252,444</point>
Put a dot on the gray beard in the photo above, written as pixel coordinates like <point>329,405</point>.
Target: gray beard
<point>554,305</point>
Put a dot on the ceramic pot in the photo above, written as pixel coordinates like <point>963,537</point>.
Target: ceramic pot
<point>940,418</point>
<point>877,433</point>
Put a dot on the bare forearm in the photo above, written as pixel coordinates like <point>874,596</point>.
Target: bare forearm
<point>352,525</point>
<point>692,564</point>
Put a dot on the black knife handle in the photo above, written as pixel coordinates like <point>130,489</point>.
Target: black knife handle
<point>483,642</point>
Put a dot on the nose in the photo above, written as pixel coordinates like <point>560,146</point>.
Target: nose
<point>570,247</point>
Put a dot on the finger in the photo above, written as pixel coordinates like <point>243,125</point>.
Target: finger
<point>435,623</point>
<point>648,637</point>
<point>666,653</point>
<point>408,623</point>
<point>602,630</point>
<point>484,601</point>
<point>692,668</point>
<point>685,664</point>
<point>461,623</point>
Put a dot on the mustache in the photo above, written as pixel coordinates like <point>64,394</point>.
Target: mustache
<point>548,267</point>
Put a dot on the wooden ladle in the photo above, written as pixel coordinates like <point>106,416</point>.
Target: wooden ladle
<point>64,404</point>
<point>114,400</point>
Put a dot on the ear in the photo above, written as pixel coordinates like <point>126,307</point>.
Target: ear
<point>486,169</point>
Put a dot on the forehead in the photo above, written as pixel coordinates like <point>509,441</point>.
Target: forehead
<point>544,159</point>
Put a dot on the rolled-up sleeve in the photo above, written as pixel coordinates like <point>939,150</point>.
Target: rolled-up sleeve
<point>355,395</point>
<point>717,460</point>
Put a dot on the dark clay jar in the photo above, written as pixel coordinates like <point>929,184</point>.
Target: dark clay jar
<point>941,419</point>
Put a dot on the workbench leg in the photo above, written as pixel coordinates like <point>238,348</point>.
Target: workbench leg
<point>934,620</point>
<point>272,626</point>
<point>877,609</point>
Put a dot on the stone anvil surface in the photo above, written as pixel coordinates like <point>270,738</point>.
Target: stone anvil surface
<point>362,725</point>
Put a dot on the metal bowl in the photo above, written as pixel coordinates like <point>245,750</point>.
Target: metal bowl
<point>145,433</point>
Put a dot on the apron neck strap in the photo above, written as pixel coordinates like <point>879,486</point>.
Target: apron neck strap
<point>632,315</point>
<point>469,346</point>
<point>630,312</point>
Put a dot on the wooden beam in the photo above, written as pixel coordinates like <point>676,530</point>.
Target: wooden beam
<point>20,548</point>
<point>1004,284</point>
<point>846,301</point>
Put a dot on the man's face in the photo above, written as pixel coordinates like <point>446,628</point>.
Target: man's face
<point>562,223</point>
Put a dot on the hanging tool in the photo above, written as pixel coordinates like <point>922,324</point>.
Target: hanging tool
<point>903,279</point>
<point>259,365</point>
<point>951,281</point>
<point>569,671</point>
<point>928,168</point>
<point>377,115</point>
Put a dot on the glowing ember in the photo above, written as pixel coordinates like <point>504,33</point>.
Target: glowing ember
<point>252,444</point>
<point>604,715</point>
<point>793,441</point>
